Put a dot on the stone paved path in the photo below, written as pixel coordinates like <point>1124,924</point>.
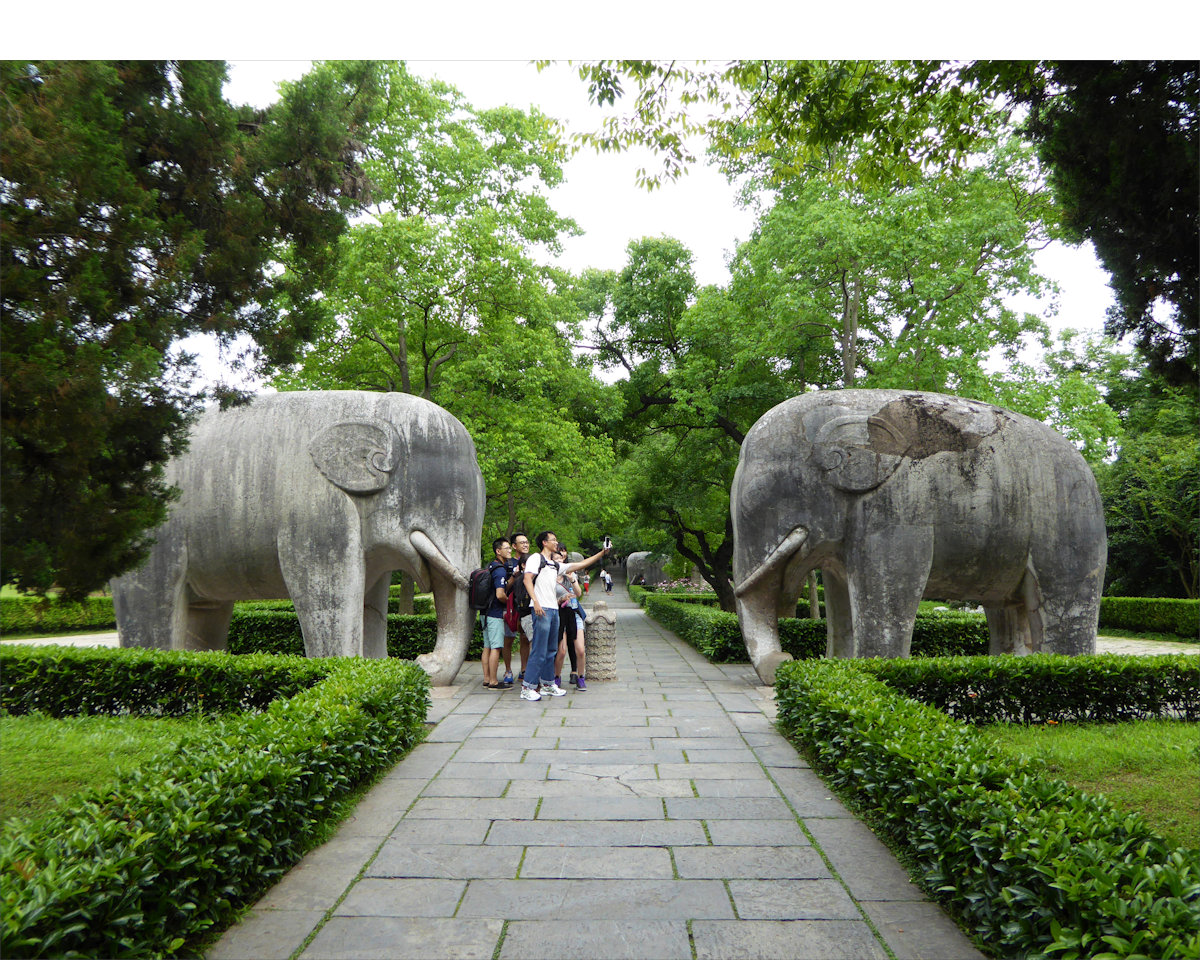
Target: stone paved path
<point>659,815</point>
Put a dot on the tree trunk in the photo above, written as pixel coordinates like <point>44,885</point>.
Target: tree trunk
<point>814,598</point>
<point>405,602</point>
<point>852,301</point>
<point>724,589</point>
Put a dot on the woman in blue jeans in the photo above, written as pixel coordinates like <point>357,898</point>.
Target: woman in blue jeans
<point>541,575</point>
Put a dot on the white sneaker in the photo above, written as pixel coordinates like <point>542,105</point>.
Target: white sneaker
<point>552,690</point>
<point>528,693</point>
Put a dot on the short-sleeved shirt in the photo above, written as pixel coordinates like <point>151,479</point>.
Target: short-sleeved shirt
<point>545,576</point>
<point>499,576</point>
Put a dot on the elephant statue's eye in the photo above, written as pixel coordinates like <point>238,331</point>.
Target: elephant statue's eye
<point>832,458</point>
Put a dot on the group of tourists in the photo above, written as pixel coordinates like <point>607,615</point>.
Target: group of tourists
<point>545,615</point>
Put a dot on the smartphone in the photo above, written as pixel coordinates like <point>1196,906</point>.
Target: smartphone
<point>608,543</point>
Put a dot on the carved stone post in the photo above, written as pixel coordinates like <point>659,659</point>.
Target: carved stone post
<point>600,642</point>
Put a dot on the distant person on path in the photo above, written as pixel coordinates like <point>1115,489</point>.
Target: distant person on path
<point>604,575</point>
<point>493,619</point>
<point>541,576</point>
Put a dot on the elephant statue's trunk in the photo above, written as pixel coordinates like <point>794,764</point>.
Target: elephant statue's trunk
<point>436,559</point>
<point>791,544</point>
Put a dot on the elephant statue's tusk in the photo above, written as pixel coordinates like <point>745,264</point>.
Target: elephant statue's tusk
<point>436,559</point>
<point>791,543</point>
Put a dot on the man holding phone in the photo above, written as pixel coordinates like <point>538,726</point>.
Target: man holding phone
<point>541,575</point>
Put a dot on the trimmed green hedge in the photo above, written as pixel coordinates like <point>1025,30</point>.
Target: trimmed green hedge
<point>181,844</point>
<point>69,681</point>
<point>278,631</point>
<point>1152,614</point>
<point>28,615</point>
<point>1033,866</point>
<point>716,634</point>
<point>1107,688</point>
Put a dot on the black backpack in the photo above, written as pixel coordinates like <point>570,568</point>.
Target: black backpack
<point>479,586</point>
<point>518,593</point>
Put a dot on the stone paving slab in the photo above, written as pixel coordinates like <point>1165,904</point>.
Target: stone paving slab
<point>387,938</point>
<point>568,900</point>
<point>598,863</point>
<point>659,815</point>
<point>786,940</point>
<point>446,861</point>
<point>597,940</point>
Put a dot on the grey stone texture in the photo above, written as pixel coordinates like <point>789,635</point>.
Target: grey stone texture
<point>730,847</point>
<point>897,496</point>
<point>317,496</point>
<point>639,566</point>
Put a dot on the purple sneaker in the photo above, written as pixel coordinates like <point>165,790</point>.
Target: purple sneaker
<point>582,684</point>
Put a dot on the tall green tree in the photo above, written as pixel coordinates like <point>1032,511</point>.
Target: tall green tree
<point>443,292</point>
<point>896,287</point>
<point>1151,495</point>
<point>139,208</point>
<point>1119,139</point>
<point>690,396</point>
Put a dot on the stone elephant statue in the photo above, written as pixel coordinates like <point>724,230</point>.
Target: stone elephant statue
<point>639,565</point>
<point>317,496</point>
<point>897,496</point>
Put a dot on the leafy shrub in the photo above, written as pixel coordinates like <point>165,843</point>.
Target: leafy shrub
<point>278,631</point>
<point>1152,615</point>
<point>30,615</point>
<point>1033,866</point>
<point>179,845</point>
<point>717,635</point>
<point>69,681</point>
<point>1108,688</point>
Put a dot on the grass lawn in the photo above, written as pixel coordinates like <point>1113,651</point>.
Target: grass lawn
<point>42,757</point>
<point>1149,766</point>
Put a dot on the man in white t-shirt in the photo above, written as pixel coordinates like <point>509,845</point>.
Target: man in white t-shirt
<point>541,574</point>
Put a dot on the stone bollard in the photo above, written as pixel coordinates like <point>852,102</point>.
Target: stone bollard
<point>600,642</point>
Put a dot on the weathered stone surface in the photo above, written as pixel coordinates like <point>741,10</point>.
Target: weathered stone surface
<point>597,940</point>
<point>317,496</point>
<point>920,930</point>
<point>386,938</point>
<point>266,935</point>
<point>600,642</point>
<point>596,899</point>
<point>896,496</point>
<point>789,899</point>
<point>640,569</point>
<point>785,940</point>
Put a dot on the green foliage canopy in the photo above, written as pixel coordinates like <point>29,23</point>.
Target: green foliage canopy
<point>139,208</point>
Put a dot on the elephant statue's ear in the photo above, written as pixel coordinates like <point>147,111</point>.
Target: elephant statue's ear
<point>857,454</point>
<point>357,455</point>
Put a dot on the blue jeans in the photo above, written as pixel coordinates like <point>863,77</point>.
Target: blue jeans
<point>543,647</point>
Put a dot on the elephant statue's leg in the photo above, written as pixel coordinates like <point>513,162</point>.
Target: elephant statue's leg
<point>208,624</point>
<point>150,602</point>
<point>887,577</point>
<point>1068,581</point>
<point>1009,630</point>
<point>375,611</point>
<point>838,625</point>
<point>455,621</point>
<point>757,610</point>
<point>326,582</point>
